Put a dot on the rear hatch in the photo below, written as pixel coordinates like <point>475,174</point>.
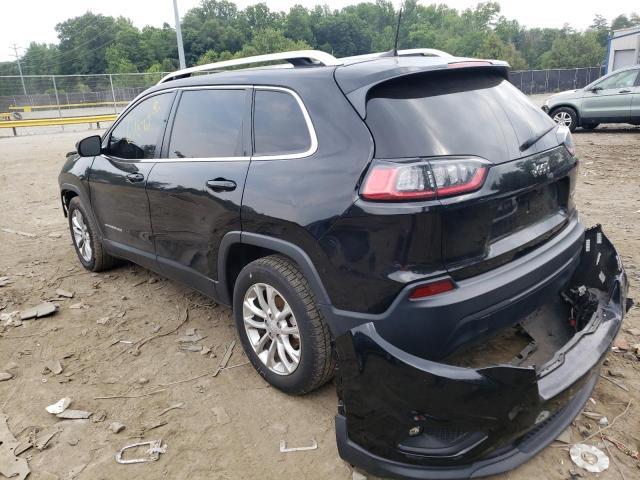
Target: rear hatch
<point>442,118</point>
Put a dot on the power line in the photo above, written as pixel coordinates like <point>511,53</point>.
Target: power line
<point>15,51</point>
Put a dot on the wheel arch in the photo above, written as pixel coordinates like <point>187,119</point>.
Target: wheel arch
<point>66,194</point>
<point>238,249</point>
<point>68,191</point>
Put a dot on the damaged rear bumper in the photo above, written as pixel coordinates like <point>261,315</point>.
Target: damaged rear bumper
<point>404,416</point>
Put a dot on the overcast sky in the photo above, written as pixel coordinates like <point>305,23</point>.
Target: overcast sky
<point>35,20</point>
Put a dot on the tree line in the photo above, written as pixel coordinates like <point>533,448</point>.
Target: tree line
<point>218,30</point>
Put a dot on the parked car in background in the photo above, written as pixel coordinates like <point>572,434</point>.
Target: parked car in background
<point>353,211</point>
<point>614,98</point>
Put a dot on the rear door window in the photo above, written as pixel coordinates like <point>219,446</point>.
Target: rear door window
<point>138,134</point>
<point>452,113</point>
<point>279,126</point>
<point>208,124</point>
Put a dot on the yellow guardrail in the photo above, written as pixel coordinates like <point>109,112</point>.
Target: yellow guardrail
<point>48,122</point>
<point>30,108</point>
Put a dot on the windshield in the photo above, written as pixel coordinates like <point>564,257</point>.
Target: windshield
<point>454,113</point>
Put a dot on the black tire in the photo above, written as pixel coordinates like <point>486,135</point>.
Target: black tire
<point>99,259</point>
<point>590,126</point>
<point>571,113</point>
<point>316,362</point>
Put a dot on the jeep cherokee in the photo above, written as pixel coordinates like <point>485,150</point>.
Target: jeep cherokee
<point>408,218</point>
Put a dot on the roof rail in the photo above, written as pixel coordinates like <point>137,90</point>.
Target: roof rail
<point>296,58</point>
<point>412,52</point>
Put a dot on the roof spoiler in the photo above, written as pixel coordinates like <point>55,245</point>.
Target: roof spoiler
<point>358,96</point>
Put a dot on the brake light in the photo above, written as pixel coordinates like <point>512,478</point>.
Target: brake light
<point>398,182</point>
<point>471,63</point>
<point>436,178</point>
<point>430,289</point>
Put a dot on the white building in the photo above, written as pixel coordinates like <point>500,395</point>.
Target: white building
<point>623,49</point>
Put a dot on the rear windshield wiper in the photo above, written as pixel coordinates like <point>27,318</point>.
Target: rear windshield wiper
<point>533,140</point>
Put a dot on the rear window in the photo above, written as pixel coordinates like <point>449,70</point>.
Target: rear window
<point>279,127</point>
<point>453,113</point>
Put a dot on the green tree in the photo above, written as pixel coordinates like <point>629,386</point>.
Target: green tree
<point>269,40</point>
<point>622,21</point>
<point>601,27</point>
<point>83,43</point>
<point>40,59</point>
<point>158,45</point>
<point>344,34</point>
<point>298,25</point>
<point>574,50</point>
<point>117,61</point>
<point>218,29</point>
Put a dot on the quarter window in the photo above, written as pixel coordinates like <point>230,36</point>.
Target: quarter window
<point>138,134</point>
<point>279,127</point>
<point>208,123</point>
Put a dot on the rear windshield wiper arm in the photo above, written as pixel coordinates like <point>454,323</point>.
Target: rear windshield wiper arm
<point>533,140</point>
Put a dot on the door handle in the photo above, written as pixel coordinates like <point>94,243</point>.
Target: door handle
<point>624,91</point>
<point>221,185</point>
<point>135,177</point>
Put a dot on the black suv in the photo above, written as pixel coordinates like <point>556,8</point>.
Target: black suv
<point>408,218</point>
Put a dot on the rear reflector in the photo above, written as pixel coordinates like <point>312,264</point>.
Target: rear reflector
<point>430,289</point>
<point>423,180</point>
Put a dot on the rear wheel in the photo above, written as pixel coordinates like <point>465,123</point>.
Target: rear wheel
<point>565,116</point>
<point>280,327</point>
<point>87,243</point>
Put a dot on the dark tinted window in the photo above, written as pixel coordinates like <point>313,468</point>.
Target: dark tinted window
<point>279,126</point>
<point>208,123</point>
<point>453,113</point>
<point>138,133</point>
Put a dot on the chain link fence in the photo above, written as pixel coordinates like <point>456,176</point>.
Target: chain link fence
<point>554,80</point>
<point>44,96</point>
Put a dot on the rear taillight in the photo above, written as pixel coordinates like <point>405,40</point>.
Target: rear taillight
<point>563,134</point>
<point>424,179</point>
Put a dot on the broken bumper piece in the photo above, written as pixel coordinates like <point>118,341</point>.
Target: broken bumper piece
<point>403,416</point>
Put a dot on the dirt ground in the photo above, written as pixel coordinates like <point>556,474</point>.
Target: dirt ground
<point>229,426</point>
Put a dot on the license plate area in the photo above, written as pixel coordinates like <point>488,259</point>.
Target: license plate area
<point>518,212</point>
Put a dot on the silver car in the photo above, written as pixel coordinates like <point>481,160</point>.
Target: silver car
<point>614,98</point>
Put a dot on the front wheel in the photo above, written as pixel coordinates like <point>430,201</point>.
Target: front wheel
<point>281,329</point>
<point>86,241</point>
<point>565,116</point>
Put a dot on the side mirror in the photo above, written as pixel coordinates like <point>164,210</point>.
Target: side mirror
<point>90,146</point>
<point>595,89</point>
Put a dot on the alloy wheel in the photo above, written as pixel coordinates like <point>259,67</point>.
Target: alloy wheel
<point>81,235</point>
<point>563,118</point>
<point>271,328</point>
